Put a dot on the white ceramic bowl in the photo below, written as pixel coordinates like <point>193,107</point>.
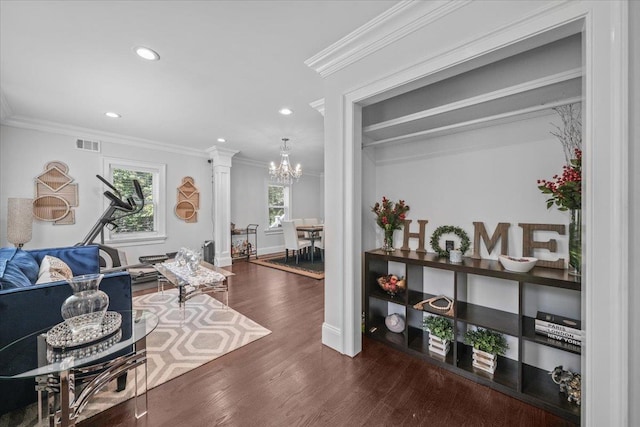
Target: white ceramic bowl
<point>517,264</point>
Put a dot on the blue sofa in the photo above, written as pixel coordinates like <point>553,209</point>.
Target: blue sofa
<point>26,310</point>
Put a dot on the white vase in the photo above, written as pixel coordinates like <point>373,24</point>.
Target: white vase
<point>484,361</point>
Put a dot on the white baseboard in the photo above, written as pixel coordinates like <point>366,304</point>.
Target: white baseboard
<point>223,261</point>
<point>332,337</point>
<point>270,250</point>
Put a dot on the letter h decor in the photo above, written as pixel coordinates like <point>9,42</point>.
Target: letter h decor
<point>419,236</point>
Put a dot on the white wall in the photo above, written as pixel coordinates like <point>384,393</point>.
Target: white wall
<point>634,214</point>
<point>249,201</point>
<point>24,153</point>
<point>486,175</point>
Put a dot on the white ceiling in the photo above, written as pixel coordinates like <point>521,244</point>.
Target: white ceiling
<point>226,68</point>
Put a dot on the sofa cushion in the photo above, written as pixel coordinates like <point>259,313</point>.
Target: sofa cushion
<point>53,269</point>
<point>17,268</point>
<point>80,259</point>
<point>11,276</point>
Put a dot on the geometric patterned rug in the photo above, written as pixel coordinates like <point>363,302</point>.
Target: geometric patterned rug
<point>177,345</point>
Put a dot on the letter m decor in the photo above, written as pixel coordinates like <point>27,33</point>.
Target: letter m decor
<point>479,232</point>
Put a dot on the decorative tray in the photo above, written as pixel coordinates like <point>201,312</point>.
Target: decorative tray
<point>59,354</point>
<point>60,336</point>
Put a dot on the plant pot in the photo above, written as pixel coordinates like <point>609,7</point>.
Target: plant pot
<point>484,361</point>
<point>438,346</point>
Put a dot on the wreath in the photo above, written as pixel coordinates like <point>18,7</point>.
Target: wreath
<point>446,229</point>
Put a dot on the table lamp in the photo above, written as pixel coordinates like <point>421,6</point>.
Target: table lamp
<point>19,220</point>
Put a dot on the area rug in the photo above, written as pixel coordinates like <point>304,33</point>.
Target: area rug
<point>177,345</point>
<point>306,268</point>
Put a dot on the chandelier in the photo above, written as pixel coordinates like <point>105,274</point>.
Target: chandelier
<point>284,174</point>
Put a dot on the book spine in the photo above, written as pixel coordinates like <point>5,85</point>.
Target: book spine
<point>544,331</point>
<point>560,320</point>
<point>561,338</point>
<point>556,327</point>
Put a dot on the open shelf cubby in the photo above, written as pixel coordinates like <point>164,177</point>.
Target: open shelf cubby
<point>513,376</point>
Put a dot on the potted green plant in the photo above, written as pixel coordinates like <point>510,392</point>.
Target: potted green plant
<point>440,333</point>
<point>487,345</point>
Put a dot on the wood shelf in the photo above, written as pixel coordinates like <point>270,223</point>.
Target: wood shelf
<point>483,267</point>
<point>498,92</point>
<point>512,376</point>
<point>545,393</point>
<point>488,318</point>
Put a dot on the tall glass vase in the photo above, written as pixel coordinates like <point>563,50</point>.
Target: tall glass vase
<point>84,310</point>
<point>387,244</point>
<point>575,243</point>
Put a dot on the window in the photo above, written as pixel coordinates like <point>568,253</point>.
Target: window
<point>278,203</point>
<point>149,223</point>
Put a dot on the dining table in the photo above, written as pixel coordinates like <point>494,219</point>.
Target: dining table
<point>313,234</point>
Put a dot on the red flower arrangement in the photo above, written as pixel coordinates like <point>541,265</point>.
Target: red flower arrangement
<point>390,217</point>
<point>566,189</point>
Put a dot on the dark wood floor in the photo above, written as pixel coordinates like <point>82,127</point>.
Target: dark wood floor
<point>290,379</point>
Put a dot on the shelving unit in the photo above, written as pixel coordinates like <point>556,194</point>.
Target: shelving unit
<point>513,377</point>
<point>244,242</point>
<point>492,93</point>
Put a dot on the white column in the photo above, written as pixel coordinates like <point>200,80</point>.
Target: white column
<point>221,158</point>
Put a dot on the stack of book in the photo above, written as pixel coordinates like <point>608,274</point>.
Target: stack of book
<point>559,328</point>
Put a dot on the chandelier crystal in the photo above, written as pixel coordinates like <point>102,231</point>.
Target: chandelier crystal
<point>285,173</point>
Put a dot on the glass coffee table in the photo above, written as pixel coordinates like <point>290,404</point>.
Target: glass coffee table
<point>58,368</point>
<point>206,279</point>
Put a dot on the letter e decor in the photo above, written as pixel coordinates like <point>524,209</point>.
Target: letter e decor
<point>528,244</point>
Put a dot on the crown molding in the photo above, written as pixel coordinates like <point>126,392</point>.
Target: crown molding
<point>84,133</point>
<point>397,22</point>
<point>5,108</point>
<point>221,151</point>
<point>318,105</point>
<point>250,162</point>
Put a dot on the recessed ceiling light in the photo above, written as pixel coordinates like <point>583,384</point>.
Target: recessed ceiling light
<point>146,53</point>
<point>285,111</point>
<point>112,115</point>
<point>222,140</point>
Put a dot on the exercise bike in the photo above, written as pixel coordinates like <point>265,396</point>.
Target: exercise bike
<point>119,207</point>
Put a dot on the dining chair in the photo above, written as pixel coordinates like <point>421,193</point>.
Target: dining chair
<point>319,244</point>
<point>292,241</point>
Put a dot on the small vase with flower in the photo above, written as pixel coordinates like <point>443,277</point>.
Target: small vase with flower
<point>390,217</point>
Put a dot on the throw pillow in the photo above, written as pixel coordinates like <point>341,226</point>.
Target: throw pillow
<point>18,268</point>
<point>53,269</point>
<point>11,276</point>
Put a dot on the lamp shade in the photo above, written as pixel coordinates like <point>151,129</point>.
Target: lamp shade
<point>19,220</point>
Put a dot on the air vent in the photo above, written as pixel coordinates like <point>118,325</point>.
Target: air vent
<point>84,144</point>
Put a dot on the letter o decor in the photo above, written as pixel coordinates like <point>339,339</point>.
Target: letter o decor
<point>447,229</point>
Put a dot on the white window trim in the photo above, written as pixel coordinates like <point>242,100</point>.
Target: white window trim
<point>287,211</point>
<point>159,190</point>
